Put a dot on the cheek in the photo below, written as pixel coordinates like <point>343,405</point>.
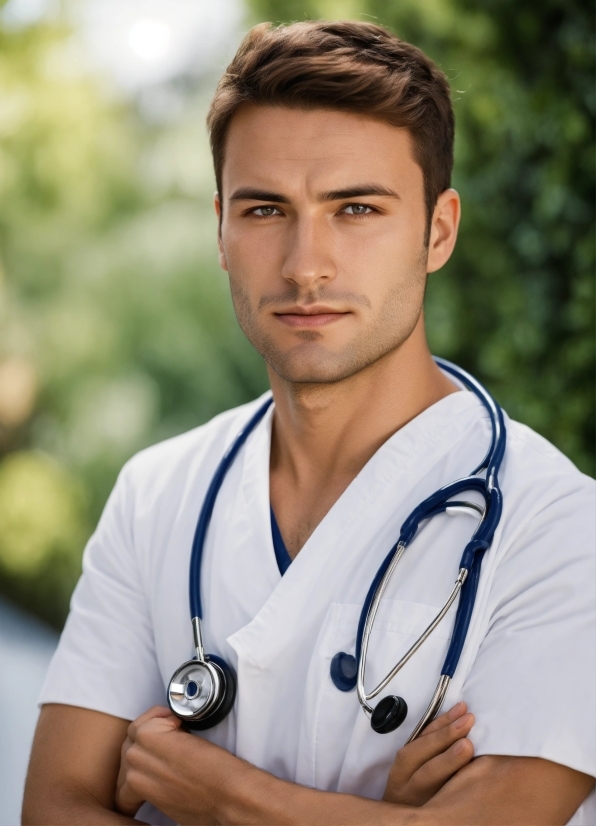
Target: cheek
<point>381,262</point>
<point>253,260</point>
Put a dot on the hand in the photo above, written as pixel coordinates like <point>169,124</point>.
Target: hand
<point>186,777</point>
<point>423,767</point>
<point>142,734</point>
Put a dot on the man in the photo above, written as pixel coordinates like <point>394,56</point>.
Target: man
<point>333,146</point>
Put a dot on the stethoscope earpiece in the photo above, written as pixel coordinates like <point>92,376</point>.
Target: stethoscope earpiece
<point>389,714</point>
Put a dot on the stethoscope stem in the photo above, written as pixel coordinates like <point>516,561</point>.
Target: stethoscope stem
<point>197,634</point>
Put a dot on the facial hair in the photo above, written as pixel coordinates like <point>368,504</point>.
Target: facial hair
<point>311,363</point>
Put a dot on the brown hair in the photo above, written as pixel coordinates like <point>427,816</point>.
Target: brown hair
<point>348,66</point>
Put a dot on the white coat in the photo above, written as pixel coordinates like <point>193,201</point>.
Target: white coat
<point>527,668</point>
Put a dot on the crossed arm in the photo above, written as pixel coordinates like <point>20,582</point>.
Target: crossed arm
<point>81,773</point>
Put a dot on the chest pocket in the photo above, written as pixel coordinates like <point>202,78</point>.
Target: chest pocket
<point>345,753</point>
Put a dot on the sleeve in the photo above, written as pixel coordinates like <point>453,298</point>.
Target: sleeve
<point>532,686</point>
<point>106,658</point>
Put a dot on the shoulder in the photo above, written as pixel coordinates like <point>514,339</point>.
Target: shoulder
<point>536,451</point>
<point>547,531</point>
<point>535,470</point>
<point>547,523</point>
<point>165,468</point>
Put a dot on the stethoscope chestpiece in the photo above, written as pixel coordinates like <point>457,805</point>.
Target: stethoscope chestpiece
<point>202,693</point>
<point>388,714</point>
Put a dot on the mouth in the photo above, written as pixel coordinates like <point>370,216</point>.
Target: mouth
<point>312,316</point>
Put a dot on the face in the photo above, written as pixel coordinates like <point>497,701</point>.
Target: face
<point>322,234</point>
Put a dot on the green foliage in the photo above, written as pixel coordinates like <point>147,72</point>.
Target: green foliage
<point>42,511</point>
<point>116,328</point>
<point>515,305</point>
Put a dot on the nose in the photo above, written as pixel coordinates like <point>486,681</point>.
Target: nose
<point>309,261</point>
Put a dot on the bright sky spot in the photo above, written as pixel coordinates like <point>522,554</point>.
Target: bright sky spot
<point>141,43</point>
<point>150,39</point>
<point>24,12</point>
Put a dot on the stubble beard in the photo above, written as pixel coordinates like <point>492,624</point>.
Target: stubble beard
<point>393,325</point>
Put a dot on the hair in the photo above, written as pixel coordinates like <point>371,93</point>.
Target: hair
<point>346,66</point>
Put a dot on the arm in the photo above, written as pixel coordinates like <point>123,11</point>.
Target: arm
<point>510,790</point>
<point>492,791</point>
<point>77,752</point>
<point>193,781</point>
<point>73,768</point>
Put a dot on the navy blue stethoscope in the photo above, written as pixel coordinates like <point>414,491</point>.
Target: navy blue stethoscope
<point>202,691</point>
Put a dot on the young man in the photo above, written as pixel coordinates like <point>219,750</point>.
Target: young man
<point>333,149</point>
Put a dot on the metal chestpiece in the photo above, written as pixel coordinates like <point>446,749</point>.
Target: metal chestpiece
<point>201,694</point>
<point>202,691</point>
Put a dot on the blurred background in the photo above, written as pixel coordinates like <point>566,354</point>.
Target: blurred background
<point>116,327</point>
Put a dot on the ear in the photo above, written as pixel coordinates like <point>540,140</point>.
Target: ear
<point>443,229</point>
<point>218,211</point>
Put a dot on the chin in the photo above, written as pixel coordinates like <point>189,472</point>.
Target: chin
<point>311,362</point>
<point>313,368</point>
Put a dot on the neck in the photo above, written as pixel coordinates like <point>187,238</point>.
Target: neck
<point>324,434</point>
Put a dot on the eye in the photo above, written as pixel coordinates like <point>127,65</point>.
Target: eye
<point>357,209</point>
<point>265,211</point>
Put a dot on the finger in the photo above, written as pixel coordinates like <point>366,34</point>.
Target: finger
<point>433,775</point>
<point>127,801</point>
<point>158,725</point>
<point>438,741</point>
<point>124,749</point>
<point>412,756</point>
<point>150,714</point>
<point>454,713</point>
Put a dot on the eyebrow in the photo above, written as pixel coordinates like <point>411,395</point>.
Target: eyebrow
<point>363,190</point>
<point>247,193</point>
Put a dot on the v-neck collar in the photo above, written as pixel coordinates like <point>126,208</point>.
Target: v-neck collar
<point>284,560</point>
<point>409,454</point>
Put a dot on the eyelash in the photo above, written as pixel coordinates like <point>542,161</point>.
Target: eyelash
<point>253,211</point>
<point>372,209</point>
<point>361,214</point>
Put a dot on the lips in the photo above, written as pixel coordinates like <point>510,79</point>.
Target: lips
<point>315,316</point>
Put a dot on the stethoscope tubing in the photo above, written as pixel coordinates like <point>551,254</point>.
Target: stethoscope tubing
<point>496,451</point>
<point>196,557</point>
<point>466,585</point>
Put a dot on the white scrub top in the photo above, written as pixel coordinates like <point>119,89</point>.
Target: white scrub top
<point>528,666</point>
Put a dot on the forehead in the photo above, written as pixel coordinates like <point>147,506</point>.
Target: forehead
<point>316,148</point>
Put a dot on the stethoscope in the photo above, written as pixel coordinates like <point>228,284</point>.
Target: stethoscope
<point>202,691</point>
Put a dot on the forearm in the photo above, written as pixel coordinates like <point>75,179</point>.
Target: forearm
<point>73,768</point>
<point>517,791</point>
<point>198,783</point>
<point>195,782</point>
<point>68,806</point>
<point>260,798</point>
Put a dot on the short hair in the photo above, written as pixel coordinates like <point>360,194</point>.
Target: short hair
<point>347,66</point>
